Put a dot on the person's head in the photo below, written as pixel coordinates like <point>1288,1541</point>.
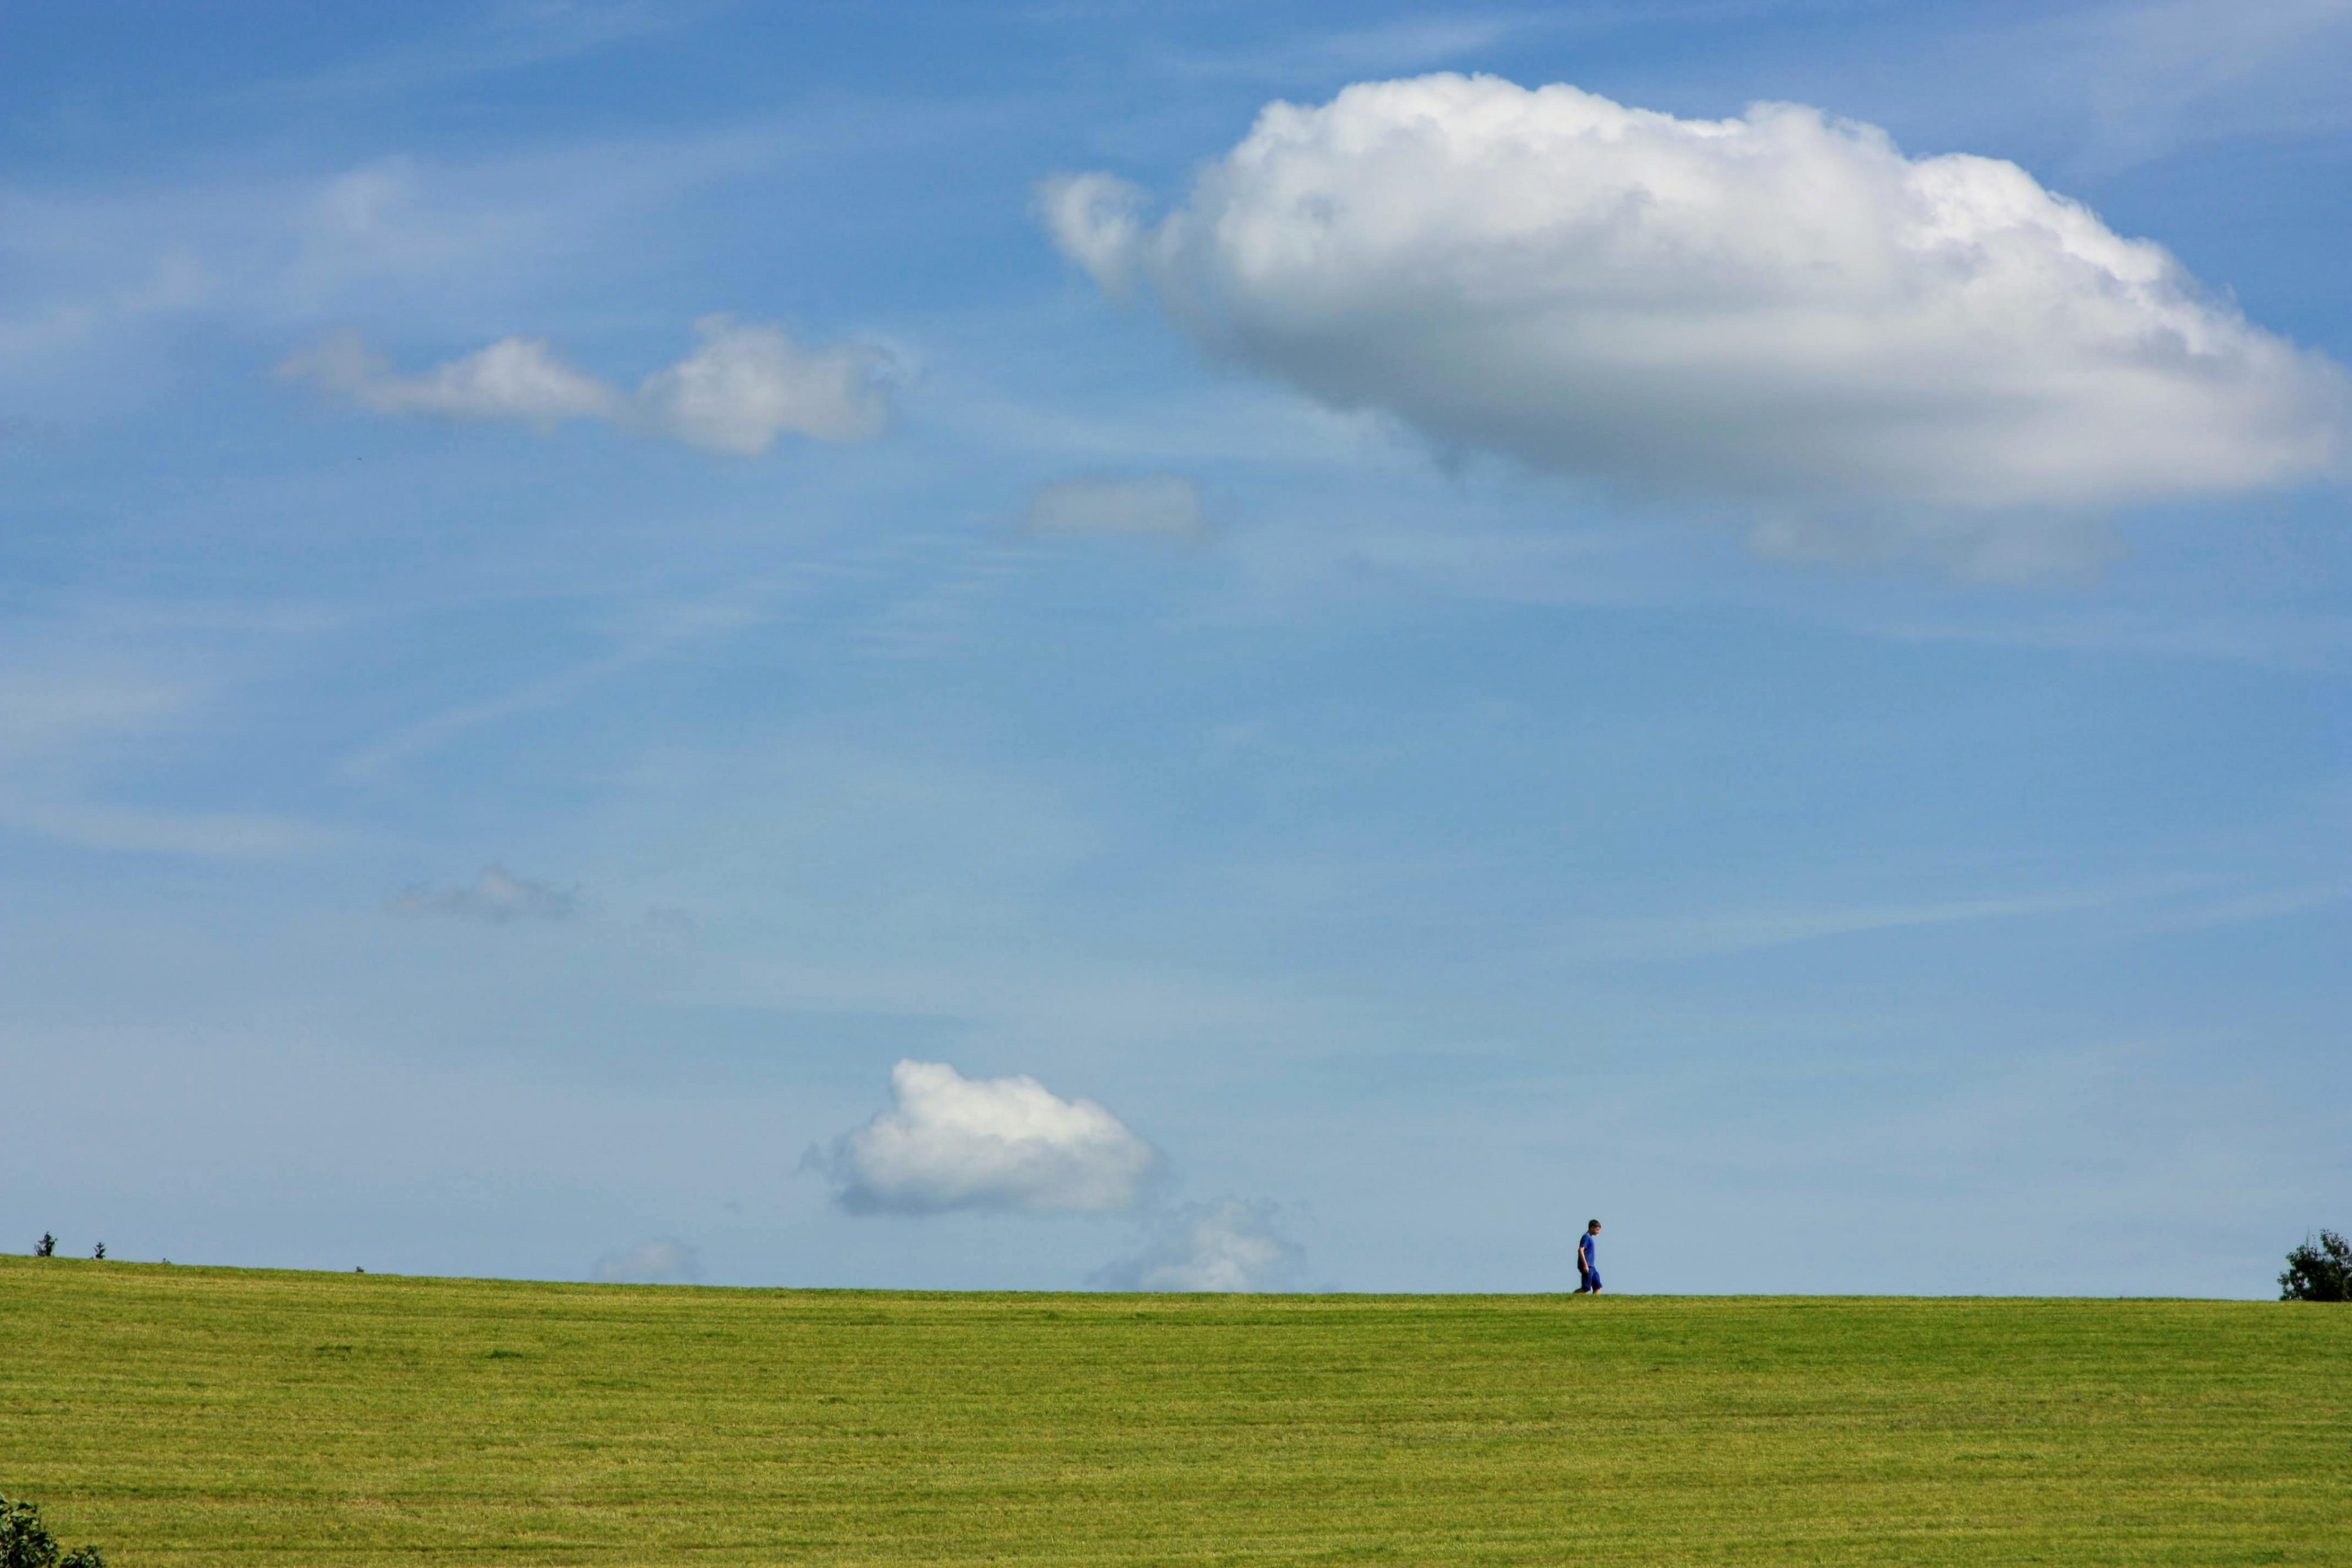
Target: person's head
<point>1593,1226</point>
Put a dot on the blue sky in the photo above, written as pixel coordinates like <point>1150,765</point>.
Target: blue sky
<point>1403,762</point>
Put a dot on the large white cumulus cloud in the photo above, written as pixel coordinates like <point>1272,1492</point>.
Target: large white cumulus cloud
<point>1779,310</point>
<point>950,1142</point>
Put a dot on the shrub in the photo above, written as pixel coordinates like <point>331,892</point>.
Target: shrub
<point>47,1247</point>
<point>2318,1272</point>
<point>25,1542</point>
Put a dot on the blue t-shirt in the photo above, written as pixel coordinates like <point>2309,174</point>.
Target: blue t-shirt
<point>1584,1249</point>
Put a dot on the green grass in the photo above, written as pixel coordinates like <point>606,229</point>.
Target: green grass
<point>214,1416</point>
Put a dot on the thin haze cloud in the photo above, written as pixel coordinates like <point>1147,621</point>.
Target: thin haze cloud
<point>1161,505</point>
<point>1228,1245</point>
<point>497,896</point>
<point>661,1261</point>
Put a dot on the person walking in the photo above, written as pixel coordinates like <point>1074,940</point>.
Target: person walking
<point>1588,1264</point>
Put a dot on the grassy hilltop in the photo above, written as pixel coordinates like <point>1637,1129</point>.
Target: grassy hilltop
<point>213,1415</point>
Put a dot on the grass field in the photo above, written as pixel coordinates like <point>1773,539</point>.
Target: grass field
<point>213,1415</point>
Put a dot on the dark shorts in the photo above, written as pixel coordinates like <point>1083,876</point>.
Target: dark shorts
<point>1587,1279</point>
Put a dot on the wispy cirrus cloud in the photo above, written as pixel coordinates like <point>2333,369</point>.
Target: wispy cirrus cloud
<point>44,711</point>
<point>62,730</point>
<point>1720,932</point>
<point>505,37</point>
<point>644,634</point>
<point>2157,77</point>
<point>201,834</point>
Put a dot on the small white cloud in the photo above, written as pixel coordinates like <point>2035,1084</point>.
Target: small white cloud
<point>1097,222</point>
<point>1159,504</point>
<point>497,895</point>
<point>1780,311</point>
<point>748,384</point>
<point>514,378</point>
<point>1223,1246</point>
<point>949,1141</point>
<point>662,1260</point>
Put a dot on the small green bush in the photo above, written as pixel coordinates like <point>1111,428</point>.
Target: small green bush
<point>2318,1272</point>
<point>25,1542</point>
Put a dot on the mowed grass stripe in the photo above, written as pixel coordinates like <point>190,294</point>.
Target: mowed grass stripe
<point>203,1415</point>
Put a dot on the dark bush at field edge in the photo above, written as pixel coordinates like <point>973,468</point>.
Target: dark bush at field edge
<point>25,1542</point>
<point>2319,1271</point>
